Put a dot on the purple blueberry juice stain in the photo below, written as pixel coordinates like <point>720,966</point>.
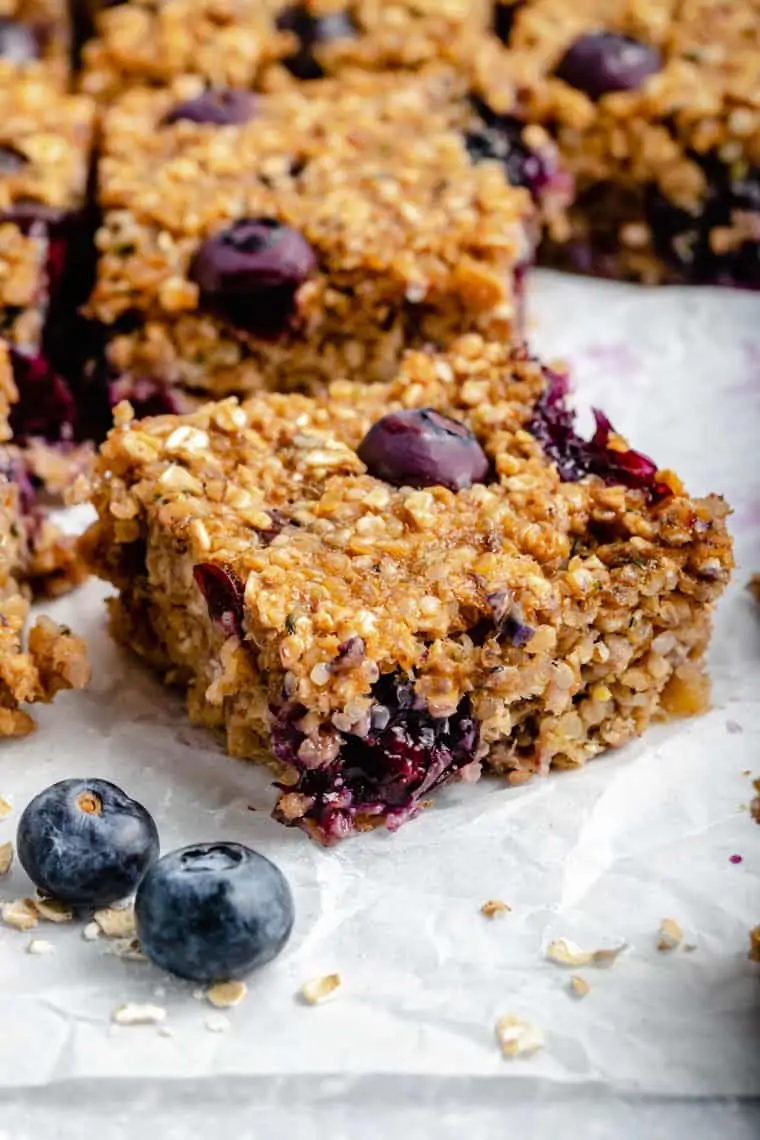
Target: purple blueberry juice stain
<point>222,592</point>
<point>553,425</point>
<point>219,106</point>
<point>406,754</point>
<point>18,42</point>
<point>736,859</point>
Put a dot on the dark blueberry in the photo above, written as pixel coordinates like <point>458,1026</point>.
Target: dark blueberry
<point>404,756</point>
<point>213,911</point>
<point>46,407</point>
<point>553,425</point>
<point>422,448</point>
<point>11,160</point>
<point>500,138</point>
<point>223,106</point>
<point>313,30</point>
<point>223,593</point>
<point>251,272</point>
<point>683,239</point>
<point>601,62</point>
<point>18,43</point>
<point>86,842</point>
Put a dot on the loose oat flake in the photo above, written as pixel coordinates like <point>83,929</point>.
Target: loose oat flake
<point>670,935</point>
<point>116,922</point>
<point>20,913</point>
<point>217,1023</point>
<point>518,1038</point>
<point>91,932</point>
<point>134,1014</point>
<point>320,989</point>
<point>5,807</point>
<point>40,947</point>
<point>494,907</point>
<point>579,987</point>
<point>52,910</point>
<point>567,953</point>
<point>6,858</point>
<point>226,995</point>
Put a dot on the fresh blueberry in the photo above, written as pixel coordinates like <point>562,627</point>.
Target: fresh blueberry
<point>213,911</point>
<point>11,160</point>
<point>312,30</point>
<point>422,448</point>
<point>601,62</point>
<point>18,43</point>
<point>251,272</point>
<point>86,842</point>
<point>222,106</point>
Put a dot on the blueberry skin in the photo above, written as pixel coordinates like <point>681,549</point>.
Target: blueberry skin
<point>213,911</point>
<point>601,62</point>
<point>420,447</point>
<point>18,43</point>
<point>86,842</point>
<point>220,106</point>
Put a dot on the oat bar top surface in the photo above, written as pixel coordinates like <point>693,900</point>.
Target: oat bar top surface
<point>232,41</point>
<point>694,89</point>
<point>45,140</point>
<point>273,492</point>
<point>377,181</point>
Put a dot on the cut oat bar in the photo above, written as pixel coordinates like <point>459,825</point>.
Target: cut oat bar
<point>656,110</point>
<point>250,43</point>
<point>391,586</point>
<point>35,39</point>
<point>280,241</point>
<point>45,260</point>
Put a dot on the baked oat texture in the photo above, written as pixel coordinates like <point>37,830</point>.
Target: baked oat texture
<point>543,620</point>
<point>413,242</point>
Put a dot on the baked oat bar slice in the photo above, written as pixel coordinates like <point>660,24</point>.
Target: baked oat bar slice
<point>46,267</point>
<point>656,109</point>
<point>253,43</point>
<point>253,242</point>
<point>392,586</point>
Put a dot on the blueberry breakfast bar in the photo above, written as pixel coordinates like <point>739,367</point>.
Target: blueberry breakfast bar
<point>35,38</point>
<point>250,43</point>
<point>45,263</point>
<point>35,558</point>
<point>655,105</point>
<point>279,241</point>
<point>383,588</point>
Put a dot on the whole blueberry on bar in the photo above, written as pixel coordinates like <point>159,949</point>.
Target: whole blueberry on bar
<point>213,911</point>
<point>312,29</point>
<point>18,43</point>
<point>86,842</point>
<point>221,106</point>
<point>601,62</point>
<point>250,274</point>
<point>422,448</point>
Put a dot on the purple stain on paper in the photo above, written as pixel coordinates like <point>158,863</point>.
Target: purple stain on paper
<point>735,859</point>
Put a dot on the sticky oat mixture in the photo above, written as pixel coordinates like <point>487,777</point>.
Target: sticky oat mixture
<point>369,641</point>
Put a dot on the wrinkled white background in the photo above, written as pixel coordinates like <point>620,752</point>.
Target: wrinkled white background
<point>599,856</point>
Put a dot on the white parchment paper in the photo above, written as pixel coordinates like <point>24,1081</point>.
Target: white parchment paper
<point>599,856</point>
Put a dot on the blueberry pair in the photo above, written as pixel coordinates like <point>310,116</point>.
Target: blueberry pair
<point>209,912</point>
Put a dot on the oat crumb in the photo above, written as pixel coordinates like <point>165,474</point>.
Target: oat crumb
<point>91,932</point>
<point>567,953</point>
<point>5,807</point>
<point>217,1023</point>
<point>670,935</point>
<point>494,907</point>
<point>116,922</point>
<point>40,947</point>
<point>226,995</point>
<point>135,1014</point>
<point>165,1031</point>
<point>320,989</point>
<point>52,910</point>
<point>128,949</point>
<point>20,913</point>
<point>754,944</point>
<point>579,987</point>
<point>518,1038</point>
<point>6,858</point>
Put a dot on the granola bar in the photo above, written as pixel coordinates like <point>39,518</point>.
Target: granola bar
<point>390,586</point>
<point>279,241</point>
<point>655,106</point>
<point>253,43</point>
<point>35,39</point>
<point>45,264</point>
